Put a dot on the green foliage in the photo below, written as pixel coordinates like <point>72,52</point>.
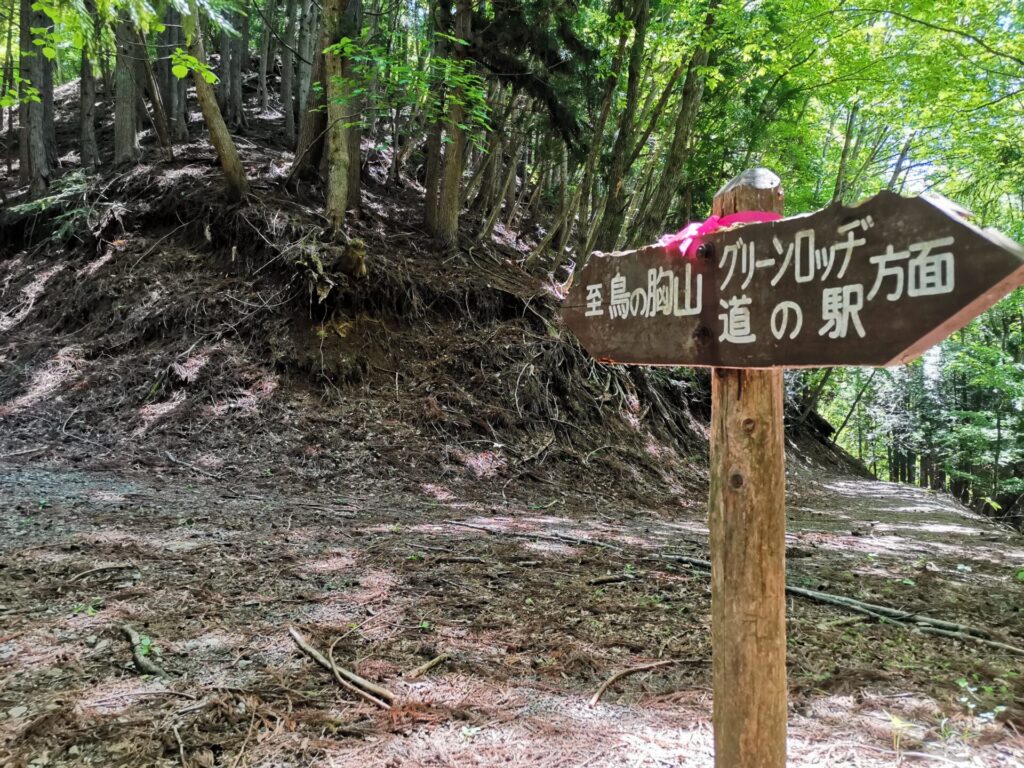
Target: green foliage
<point>404,84</point>
<point>21,91</point>
<point>182,63</point>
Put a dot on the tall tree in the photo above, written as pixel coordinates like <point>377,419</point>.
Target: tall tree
<point>341,26</point>
<point>446,222</point>
<point>652,215</point>
<point>126,96</point>
<point>220,137</point>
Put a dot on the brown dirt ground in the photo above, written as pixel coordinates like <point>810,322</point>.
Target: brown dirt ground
<point>215,572</point>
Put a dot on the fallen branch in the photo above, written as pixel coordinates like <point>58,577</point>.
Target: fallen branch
<point>636,670</point>
<point>882,613</point>
<point>424,668</point>
<point>554,537</point>
<point>193,467</point>
<point>350,681</point>
<point>91,571</point>
<point>615,579</point>
<point>144,665</point>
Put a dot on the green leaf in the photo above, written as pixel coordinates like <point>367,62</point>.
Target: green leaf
<point>209,77</point>
<point>49,53</point>
<point>180,71</point>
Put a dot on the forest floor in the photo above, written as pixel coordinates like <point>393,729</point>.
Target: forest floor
<point>213,573</point>
<point>211,436</point>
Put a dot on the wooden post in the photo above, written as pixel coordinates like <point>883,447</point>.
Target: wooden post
<point>748,549</point>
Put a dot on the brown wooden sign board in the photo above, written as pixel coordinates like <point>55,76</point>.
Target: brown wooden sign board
<point>875,284</point>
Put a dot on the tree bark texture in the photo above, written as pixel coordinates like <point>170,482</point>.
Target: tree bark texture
<point>652,215</point>
<point>126,98</point>
<point>220,137</point>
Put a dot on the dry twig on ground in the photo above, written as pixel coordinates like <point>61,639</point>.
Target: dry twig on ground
<point>350,681</point>
<point>422,669</point>
<point>145,665</point>
<point>633,671</point>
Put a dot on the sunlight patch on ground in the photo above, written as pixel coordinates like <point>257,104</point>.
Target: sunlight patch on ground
<point>248,400</point>
<point>436,529</point>
<point>277,650</point>
<point>438,492</point>
<point>151,413</point>
<point>113,697</point>
<point>941,528</point>
<point>334,561</point>
<point>189,370</point>
<point>35,652</point>
<point>484,463</point>
<point>47,379</point>
<point>215,642</point>
<point>185,539</point>
<point>882,724</point>
<point>95,265</point>
<point>374,586</point>
<point>29,295</point>
<point>551,548</point>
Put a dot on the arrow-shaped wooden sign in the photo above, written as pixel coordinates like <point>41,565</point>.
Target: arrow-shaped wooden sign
<point>875,284</point>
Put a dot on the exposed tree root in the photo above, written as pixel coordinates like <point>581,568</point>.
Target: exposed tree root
<point>882,613</point>
<point>636,670</point>
<point>145,665</point>
<point>350,681</point>
<point>424,668</point>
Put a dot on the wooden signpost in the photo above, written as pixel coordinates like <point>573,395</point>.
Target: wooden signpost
<point>871,285</point>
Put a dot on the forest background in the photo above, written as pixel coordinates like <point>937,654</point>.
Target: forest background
<point>559,128</point>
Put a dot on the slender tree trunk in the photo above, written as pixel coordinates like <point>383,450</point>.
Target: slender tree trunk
<point>126,98</point>
<point>652,216</point>
<point>245,60</point>
<point>9,82</point>
<point>36,170</point>
<point>220,137</point>
<point>160,122</point>
<point>432,171</point>
<point>307,33</point>
<point>812,399</point>
<point>856,402</point>
<point>449,197</point>
<point>844,158</point>
<point>288,72</point>
<point>900,162</point>
<point>335,27</point>
<point>88,150</point>
<point>614,214</point>
<point>239,58</point>
<point>354,27</point>
<point>223,47</point>
<point>510,175</point>
<point>49,124</point>
<point>997,454</point>
<point>25,60</point>
<point>174,93</point>
<point>310,148</point>
<point>512,214</point>
<point>269,22</point>
<point>162,67</point>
